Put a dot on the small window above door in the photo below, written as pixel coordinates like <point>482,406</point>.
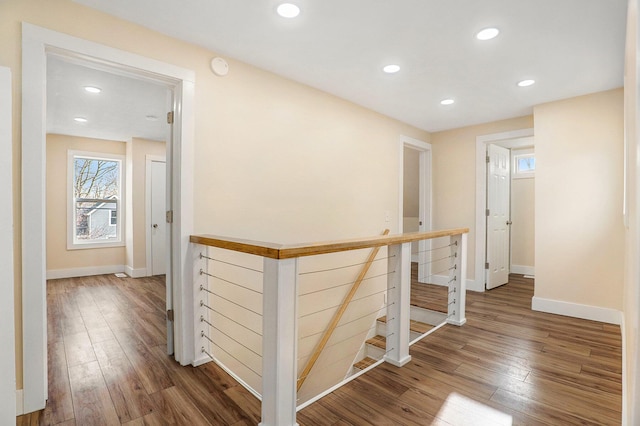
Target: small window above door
<point>524,164</point>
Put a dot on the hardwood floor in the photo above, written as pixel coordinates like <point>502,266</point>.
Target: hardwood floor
<point>507,365</point>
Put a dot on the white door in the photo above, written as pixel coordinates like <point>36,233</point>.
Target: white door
<point>158,218</point>
<point>7,331</point>
<point>498,216</point>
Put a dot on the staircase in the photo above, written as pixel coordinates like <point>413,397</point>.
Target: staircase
<point>422,321</point>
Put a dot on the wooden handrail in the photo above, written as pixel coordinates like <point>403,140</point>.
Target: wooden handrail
<point>338,316</point>
<point>288,251</point>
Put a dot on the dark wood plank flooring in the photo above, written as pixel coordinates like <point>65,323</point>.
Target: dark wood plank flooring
<point>507,365</point>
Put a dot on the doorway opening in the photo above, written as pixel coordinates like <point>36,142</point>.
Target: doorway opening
<point>501,196</point>
<point>415,198</point>
<point>38,44</point>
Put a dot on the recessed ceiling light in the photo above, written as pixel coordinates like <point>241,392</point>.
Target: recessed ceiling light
<point>488,34</point>
<point>391,69</point>
<point>525,83</point>
<point>447,102</point>
<point>81,119</point>
<point>288,10</point>
<point>92,89</point>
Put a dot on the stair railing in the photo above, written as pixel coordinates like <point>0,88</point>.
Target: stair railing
<point>338,316</point>
<point>246,307</point>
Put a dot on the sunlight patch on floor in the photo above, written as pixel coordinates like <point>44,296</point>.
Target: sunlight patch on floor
<point>459,410</point>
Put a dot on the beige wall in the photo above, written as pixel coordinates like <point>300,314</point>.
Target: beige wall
<point>579,229</point>
<point>58,257</point>
<point>454,177</point>
<point>523,227</point>
<point>137,152</point>
<point>274,159</point>
<point>411,182</point>
<point>631,304</point>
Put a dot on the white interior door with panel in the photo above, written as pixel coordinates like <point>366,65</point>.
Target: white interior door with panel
<point>158,189</point>
<point>498,216</point>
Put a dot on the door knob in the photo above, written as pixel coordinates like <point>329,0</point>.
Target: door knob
<point>509,222</point>
<point>155,225</point>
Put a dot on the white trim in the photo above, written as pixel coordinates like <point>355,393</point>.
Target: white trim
<point>425,201</point>
<point>54,274</point>
<point>7,301</point>
<point>147,207</point>
<point>524,270</point>
<point>481,193</point>
<point>625,384</point>
<point>135,273</point>
<point>576,310</point>
<point>36,44</point>
<point>19,402</point>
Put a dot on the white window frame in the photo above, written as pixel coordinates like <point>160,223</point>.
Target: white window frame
<point>515,155</point>
<point>72,242</point>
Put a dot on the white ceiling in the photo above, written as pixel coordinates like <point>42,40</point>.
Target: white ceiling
<point>570,47</point>
<point>117,113</point>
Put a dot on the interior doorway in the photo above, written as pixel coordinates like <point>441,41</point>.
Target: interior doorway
<point>415,197</point>
<point>494,229</point>
<point>37,44</point>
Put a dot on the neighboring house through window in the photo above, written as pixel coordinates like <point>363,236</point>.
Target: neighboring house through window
<point>95,190</point>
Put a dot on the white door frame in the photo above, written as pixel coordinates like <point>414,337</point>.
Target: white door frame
<point>478,284</point>
<point>7,331</point>
<point>36,43</point>
<point>425,196</point>
<point>147,199</point>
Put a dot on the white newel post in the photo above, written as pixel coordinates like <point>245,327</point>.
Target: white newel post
<point>457,280</point>
<point>398,304</point>
<point>199,310</point>
<point>279,342</point>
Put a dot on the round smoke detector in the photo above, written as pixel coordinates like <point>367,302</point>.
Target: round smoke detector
<point>219,67</point>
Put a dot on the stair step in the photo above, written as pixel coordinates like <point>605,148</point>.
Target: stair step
<point>415,326</point>
<point>378,342</point>
<point>362,364</point>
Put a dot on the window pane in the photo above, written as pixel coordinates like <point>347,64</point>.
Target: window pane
<point>96,192</point>
<point>526,164</point>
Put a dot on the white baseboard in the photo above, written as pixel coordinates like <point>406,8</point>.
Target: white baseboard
<point>576,310</point>
<point>135,273</point>
<point>524,270</point>
<point>53,274</point>
<point>444,280</point>
<point>625,388</point>
<point>19,402</point>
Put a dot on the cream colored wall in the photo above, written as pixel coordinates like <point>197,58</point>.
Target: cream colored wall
<point>58,257</point>
<point>579,231</point>
<point>140,148</point>
<point>274,159</point>
<point>411,182</point>
<point>454,177</point>
<point>290,163</point>
<point>523,218</point>
<point>631,304</point>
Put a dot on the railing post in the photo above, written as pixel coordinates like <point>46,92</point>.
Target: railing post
<point>457,280</point>
<point>279,342</point>
<point>398,304</point>
<point>202,348</point>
